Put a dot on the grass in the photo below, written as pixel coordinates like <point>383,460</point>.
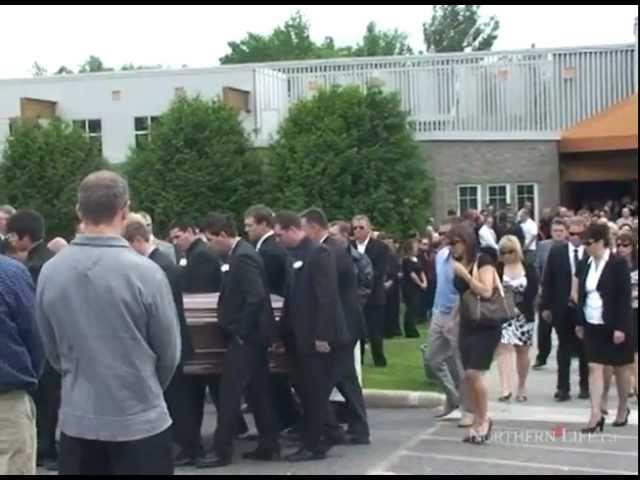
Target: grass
<point>405,370</point>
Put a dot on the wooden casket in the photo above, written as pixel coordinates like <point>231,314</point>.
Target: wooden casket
<point>201,312</point>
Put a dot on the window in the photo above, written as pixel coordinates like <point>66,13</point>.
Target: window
<point>91,128</point>
<point>499,196</point>
<point>527,192</point>
<point>116,95</point>
<point>143,127</point>
<point>469,198</point>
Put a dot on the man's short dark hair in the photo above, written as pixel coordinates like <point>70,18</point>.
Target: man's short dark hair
<point>343,226</point>
<point>316,216</point>
<point>183,224</point>
<point>559,221</point>
<point>598,232</point>
<point>135,229</point>
<point>288,219</point>
<point>26,223</point>
<point>216,223</point>
<point>101,195</point>
<point>261,214</point>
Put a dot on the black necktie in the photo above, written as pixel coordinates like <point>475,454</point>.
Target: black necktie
<point>576,259</point>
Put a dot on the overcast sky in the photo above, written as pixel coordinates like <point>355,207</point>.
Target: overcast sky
<point>197,35</point>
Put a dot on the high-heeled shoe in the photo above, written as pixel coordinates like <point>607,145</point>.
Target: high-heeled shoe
<point>482,439</point>
<point>623,423</point>
<point>505,398</point>
<point>597,427</point>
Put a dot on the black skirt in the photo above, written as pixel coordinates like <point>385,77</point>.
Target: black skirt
<point>599,347</point>
<point>634,323</point>
<point>478,346</point>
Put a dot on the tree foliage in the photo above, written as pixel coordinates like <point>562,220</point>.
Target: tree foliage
<point>459,28</point>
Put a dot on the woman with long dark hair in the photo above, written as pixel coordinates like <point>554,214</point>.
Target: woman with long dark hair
<point>604,306</point>
<point>414,285</point>
<point>478,343</point>
<point>628,249</point>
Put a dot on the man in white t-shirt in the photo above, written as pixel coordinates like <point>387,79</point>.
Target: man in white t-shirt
<point>530,229</point>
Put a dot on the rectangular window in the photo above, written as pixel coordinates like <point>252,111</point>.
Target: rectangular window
<point>469,198</point>
<point>527,193</point>
<point>499,196</point>
<point>143,127</point>
<point>92,129</point>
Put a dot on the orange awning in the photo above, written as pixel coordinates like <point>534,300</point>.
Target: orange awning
<point>613,129</point>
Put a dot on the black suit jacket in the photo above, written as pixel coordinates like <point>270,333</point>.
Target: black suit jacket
<point>557,281</point>
<point>312,309</point>
<point>615,289</point>
<point>172,271</point>
<point>202,272</point>
<point>354,329</point>
<point>380,256</point>
<point>36,258</point>
<point>245,310</point>
<point>277,265</point>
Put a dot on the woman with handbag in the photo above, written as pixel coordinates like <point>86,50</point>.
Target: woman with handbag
<point>605,324</point>
<point>476,281</point>
<point>517,334</point>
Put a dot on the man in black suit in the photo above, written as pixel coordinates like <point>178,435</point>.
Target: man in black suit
<point>345,377</point>
<point>247,319</point>
<point>374,310</point>
<point>25,231</point>
<point>312,318</point>
<point>201,273</point>
<point>258,224</point>
<point>176,395</point>
<point>559,308</point>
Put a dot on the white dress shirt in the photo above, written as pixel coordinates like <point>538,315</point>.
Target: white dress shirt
<point>488,237</point>
<point>530,229</point>
<point>362,247</point>
<point>571,257</point>
<point>264,237</point>
<point>594,305</point>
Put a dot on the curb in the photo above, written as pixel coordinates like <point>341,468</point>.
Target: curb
<point>402,399</point>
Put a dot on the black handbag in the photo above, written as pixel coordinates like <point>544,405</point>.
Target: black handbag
<point>489,312</point>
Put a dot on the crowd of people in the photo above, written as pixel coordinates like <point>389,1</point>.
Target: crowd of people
<point>94,336</point>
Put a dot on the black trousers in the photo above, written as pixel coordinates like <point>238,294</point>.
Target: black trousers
<point>246,369</point>
<point>375,316</point>
<point>192,413</point>
<point>286,406</point>
<point>392,312</point>
<point>544,340</point>
<point>569,346</point>
<point>345,379</point>
<point>149,456</point>
<point>47,400</point>
<point>313,383</point>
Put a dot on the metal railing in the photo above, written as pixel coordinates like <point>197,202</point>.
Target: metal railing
<point>514,94</point>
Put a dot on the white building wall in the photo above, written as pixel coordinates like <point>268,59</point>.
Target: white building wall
<point>142,93</point>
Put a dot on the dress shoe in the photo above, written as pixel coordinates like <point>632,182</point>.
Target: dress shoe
<point>248,437</point>
<point>584,395</point>
<point>562,396</point>
<point>357,440</point>
<point>213,461</point>
<point>304,455</point>
<point>184,460</point>
<point>446,411</point>
<point>380,364</point>
<point>539,366</point>
<point>262,454</point>
<point>51,465</point>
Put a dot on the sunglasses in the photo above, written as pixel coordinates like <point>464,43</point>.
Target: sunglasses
<point>358,227</point>
<point>624,245</point>
<point>575,234</point>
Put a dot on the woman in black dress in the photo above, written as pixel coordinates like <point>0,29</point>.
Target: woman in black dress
<point>414,284</point>
<point>628,249</point>
<point>604,306</point>
<point>475,272</point>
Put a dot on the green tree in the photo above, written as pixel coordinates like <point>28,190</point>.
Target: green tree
<point>350,152</point>
<point>376,43</point>
<point>39,70</point>
<point>42,168</point>
<point>93,64</point>
<point>198,159</point>
<point>64,70</point>
<point>130,66</point>
<point>458,28</point>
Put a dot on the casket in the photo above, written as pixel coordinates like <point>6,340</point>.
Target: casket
<point>201,312</point>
